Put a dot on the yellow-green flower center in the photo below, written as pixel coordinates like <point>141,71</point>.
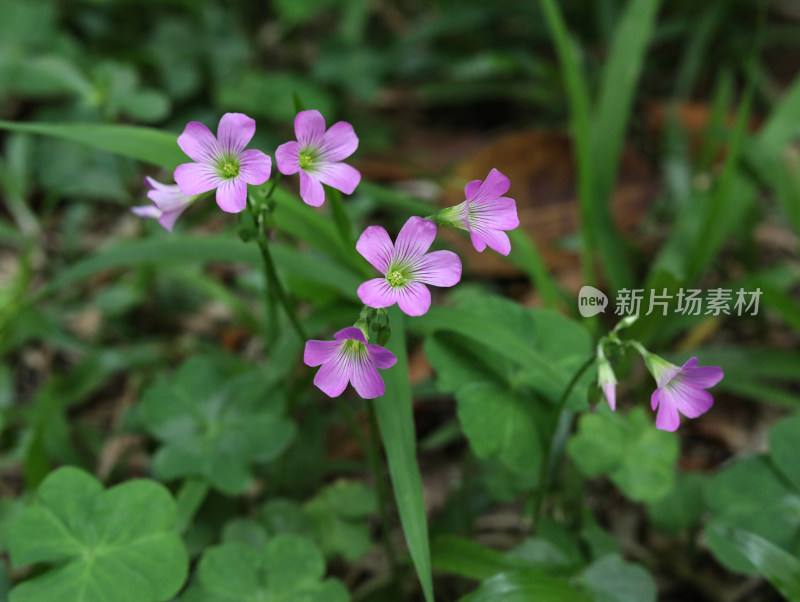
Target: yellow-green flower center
<point>229,168</point>
<point>305,159</point>
<point>395,278</point>
<point>355,347</point>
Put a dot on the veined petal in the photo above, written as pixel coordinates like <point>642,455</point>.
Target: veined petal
<point>700,376</point>
<point>668,418</point>
<point>311,190</point>
<point>254,166</point>
<point>440,268</point>
<point>351,332</point>
<point>414,239</point>
<point>376,247</point>
<point>309,127</point>
<point>196,178</point>
<point>366,380</point>
<point>339,175</point>
<point>167,220</point>
<point>655,399</point>
<point>287,156</point>
<point>497,214</point>
<point>495,185</point>
<point>232,195</point>
<point>377,293</point>
<point>235,131</point>
<point>471,189</point>
<point>496,239</point>
<point>339,142</point>
<point>319,352</point>
<point>691,401</point>
<point>198,142</point>
<point>169,198</point>
<point>413,298</point>
<point>334,375</point>
<point>382,358</point>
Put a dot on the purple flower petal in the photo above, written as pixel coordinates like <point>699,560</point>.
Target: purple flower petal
<point>235,131</point>
<point>440,268</point>
<point>353,333</point>
<point>472,188</point>
<point>198,142</point>
<point>497,214</point>
<point>168,198</point>
<point>339,142</point>
<point>196,178</point>
<point>690,401</point>
<point>167,220</point>
<point>309,127</point>
<point>377,293</point>
<point>495,185</point>
<point>340,176</point>
<point>334,375</point>
<point>413,298</point>
<point>704,376</point>
<point>366,380</point>
<point>414,239</point>
<point>147,211</point>
<point>610,393</point>
<point>495,239</point>
<point>668,418</point>
<point>376,247</point>
<point>254,167</point>
<point>382,358</point>
<point>287,156</point>
<point>319,352</point>
<point>232,195</point>
<point>311,190</point>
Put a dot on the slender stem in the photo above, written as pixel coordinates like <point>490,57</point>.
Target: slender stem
<point>340,217</point>
<point>274,284</point>
<point>544,471</point>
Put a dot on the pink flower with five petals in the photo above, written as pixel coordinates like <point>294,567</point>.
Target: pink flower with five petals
<point>317,155</point>
<point>407,267</point>
<point>222,162</point>
<point>681,390</point>
<point>168,203</point>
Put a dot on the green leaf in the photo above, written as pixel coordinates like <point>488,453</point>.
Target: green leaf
<point>611,579</point>
<point>211,426</point>
<point>635,455</point>
<point>288,569</point>
<point>502,423</point>
<point>547,347</point>
<point>338,517</point>
<point>459,556</point>
<point>117,545</point>
<point>395,415</point>
<point>143,144</point>
<point>526,586</point>
<point>779,567</point>
<point>784,449</point>
<point>682,507</point>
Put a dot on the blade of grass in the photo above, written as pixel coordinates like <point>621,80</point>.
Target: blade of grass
<point>395,415</point>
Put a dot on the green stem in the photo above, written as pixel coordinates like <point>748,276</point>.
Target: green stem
<point>275,286</point>
<point>190,497</point>
<point>544,471</point>
<point>340,217</point>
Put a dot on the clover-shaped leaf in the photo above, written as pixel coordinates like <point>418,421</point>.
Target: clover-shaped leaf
<point>213,425</point>
<point>116,545</point>
<point>338,517</point>
<point>288,569</point>
<point>635,455</point>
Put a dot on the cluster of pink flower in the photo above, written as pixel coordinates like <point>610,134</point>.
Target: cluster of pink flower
<point>221,162</point>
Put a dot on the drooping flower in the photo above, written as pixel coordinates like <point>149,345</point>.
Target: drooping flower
<point>680,390</point>
<point>349,358</point>
<point>485,213</point>
<point>317,155</point>
<point>406,266</point>
<point>222,162</point>
<point>606,380</point>
<point>168,203</point>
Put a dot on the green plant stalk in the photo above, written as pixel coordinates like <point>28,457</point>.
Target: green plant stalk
<point>340,217</point>
<point>544,471</point>
<point>274,285</point>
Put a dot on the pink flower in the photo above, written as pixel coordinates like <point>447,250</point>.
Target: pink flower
<point>349,358</point>
<point>317,155</point>
<point>221,162</point>
<point>168,203</point>
<point>681,389</point>
<point>486,213</point>
<point>606,380</point>
<point>407,267</point>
